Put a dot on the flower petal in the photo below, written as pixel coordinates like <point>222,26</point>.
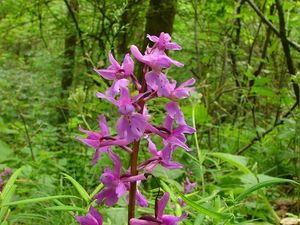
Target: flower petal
<point>162,204</point>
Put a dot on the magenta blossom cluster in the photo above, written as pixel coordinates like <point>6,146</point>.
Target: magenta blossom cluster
<point>130,98</point>
<point>4,175</point>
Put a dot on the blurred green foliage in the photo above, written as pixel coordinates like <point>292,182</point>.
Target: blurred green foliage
<point>225,115</point>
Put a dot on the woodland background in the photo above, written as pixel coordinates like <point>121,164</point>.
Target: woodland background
<point>245,56</point>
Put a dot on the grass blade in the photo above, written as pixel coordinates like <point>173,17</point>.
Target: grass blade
<point>97,189</point>
<point>203,210</point>
<point>262,185</point>
<point>36,200</point>
<point>10,184</point>
<point>66,208</point>
<point>79,188</point>
<point>237,161</point>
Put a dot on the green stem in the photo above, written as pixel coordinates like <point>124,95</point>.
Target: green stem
<point>198,150</point>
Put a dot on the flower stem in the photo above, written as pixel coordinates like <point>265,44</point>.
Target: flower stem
<point>134,171</point>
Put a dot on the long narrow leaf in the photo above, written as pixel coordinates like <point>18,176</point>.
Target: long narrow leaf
<point>10,183</point>
<point>8,196</point>
<point>97,189</point>
<point>36,200</point>
<point>237,161</point>
<point>262,185</point>
<point>79,188</point>
<point>66,208</point>
<point>202,209</point>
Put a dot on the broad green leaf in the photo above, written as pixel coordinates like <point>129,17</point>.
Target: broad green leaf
<point>41,199</point>
<point>202,209</point>
<point>65,208</point>
<point>5,150</point>
<point>238,161</point>
<point>262,185</point>
<point>79,188</point>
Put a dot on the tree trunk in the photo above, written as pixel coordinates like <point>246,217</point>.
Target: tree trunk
<point>132,24</point>
<point>160,18</point>
<point>69,60</point>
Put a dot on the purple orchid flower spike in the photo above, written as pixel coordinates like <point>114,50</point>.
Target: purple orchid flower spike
<point>163,42</point>
<point>92,218</point>
<point>161,218</point>
<point>118,73</point>
<point>162,157</point>
<point>115,184</point>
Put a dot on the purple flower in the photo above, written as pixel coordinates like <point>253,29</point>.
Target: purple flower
<point>92,218</point>
<point>163,42</point>
<point>115,184</point>
<point>158,82</point>
<point>161,218</point>
<point>117,73</point>
<point>162,157</point>
<point>175,136</point>
<point>182,91</point>
<point>155,59</point>
<point>131,125</point>
<point>189,186</point>
<point>94,139</point>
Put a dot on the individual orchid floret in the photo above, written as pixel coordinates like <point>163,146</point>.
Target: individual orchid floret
<point>94,138</point>
<point>158,82</point>
<point>161,218</point>
<point>157,60</point>
<point>115,185</point>
<point>163,42</point>
<point>131,125</point>
<point>92,218</point>
<point>188,186</point>
<point>182,91</point>
<point>162,157</point>
<point>174,111</point>
<point>175,136</point>
<point>118,73</point>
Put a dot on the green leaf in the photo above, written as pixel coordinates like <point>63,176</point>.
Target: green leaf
<point>262,185</point>
<point>8,197</point>
<point>79,188</point>
<point>4,223</point>
<point>238,161</point>
<point>65,208</point>
<point>203,210</point>
<point>41,199</point>
<point>5,150</point>
<point>10,183</point>
<point>97,189</point>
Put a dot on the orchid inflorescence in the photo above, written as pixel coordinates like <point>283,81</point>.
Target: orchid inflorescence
<point>134,125</point>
